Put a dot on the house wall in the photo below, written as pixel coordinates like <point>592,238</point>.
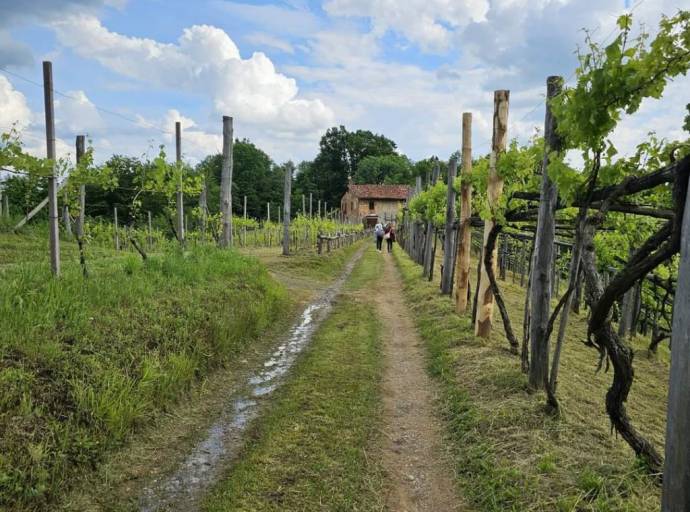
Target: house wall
<point>386,209</point>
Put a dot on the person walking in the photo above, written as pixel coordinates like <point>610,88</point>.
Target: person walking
<point>378,233</point>
<point>389,237</point>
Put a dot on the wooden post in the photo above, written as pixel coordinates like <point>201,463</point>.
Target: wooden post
<point>80,150</point>
<point>319,208</point>
<point>268,212</point>
<point>66,221</point>
<point>541,285</point>
<point>448,243</point>
<point>676,487</point>
<point>5,206</point>
<point>462,270</point>
<point>310,205</point>
<point>287,195</point>
<point>428,260</point>
<point>117,234</point>
<point>485,307</point>
<point>150,230</point>
<point>304,206</point>
<point>226,183</point>
<point>52,179</point>
<point>203,209</point>
<point>279,217</point>
<point>180,195</point>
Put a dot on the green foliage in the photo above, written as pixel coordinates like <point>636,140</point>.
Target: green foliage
<point>614,79</point>
<point>430,204</point>
<point>395,169</point>
<point>340,152</point>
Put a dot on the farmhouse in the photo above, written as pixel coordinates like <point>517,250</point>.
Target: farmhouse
<point>370,204</point>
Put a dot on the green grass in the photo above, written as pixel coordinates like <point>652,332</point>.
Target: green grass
<point>309,452</point>
<point>509,454</point>
<point>84,363</point>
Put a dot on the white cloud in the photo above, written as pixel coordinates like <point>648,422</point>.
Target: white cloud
<point>429,23</point>
<point>15,111</point>
<point>204,61</point>
<point>77,114</point>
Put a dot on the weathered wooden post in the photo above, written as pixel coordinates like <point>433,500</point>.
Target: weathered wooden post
<point>244,228</point>
<point>319,214</point>
<point>5,205</point>
<point>150,230</point>
<point>311,201</point>
<point>66,220</point>
<point>485,307</point>
<point>304,206</point>
<point>448,242</point>
<point>462,271</point>
<point>287,195</point>
<point>180,195</point>
<point>226,183</point>
<point>52,179</point>
<point>543,259</point>
<point>80,149</point>
<point>428,260</point>
<point>117,233</point>
<point>676,488</point>
<point>203,209</point>
<point>268,212</point>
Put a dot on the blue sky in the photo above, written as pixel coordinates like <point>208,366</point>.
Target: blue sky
<point>287,70</point>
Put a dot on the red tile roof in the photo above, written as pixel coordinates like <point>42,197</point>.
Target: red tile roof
<point>380,191</point>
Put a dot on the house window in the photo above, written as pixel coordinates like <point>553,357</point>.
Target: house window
<point>371,206</point>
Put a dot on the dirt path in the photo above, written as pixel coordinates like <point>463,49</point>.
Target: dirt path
<point>420,478</point>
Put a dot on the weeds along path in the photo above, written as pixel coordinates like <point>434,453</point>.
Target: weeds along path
<point>420,478</point>
<point>213,454</point>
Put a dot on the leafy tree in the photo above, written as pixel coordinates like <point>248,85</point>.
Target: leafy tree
<point>340,153</point>
<point>254,175</point>
<point>384,169</point>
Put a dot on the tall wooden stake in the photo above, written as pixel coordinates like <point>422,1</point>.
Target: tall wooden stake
<point>676,490</point>
<point>428,244</point>
<point>541,286</point>
<point>226,183</point>
<point>117,233</point>
<point>311,201</point>
<point>203,209</point>
<point>287,191</point>
<point>52,179</point>
<point>150,230</point>
<point>268,212</point>
<point>485,307</point>
<point>304,206</point>
<point>448,242</point>
<point>462,270</point>
<point>180,196</point>
<point>80,150</point>
<point>66,220</point>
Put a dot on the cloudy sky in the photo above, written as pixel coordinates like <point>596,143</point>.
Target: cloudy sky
<point>126,70</point>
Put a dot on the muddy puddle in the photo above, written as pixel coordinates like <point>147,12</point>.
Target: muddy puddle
<point>208,459</point>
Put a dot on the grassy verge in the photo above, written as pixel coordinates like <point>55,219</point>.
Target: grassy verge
<point>309,452</point>
<point>509,454</point>
<point>84,363</point>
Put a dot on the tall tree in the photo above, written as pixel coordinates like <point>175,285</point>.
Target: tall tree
<point>394,169</point>
<point>340,153</point>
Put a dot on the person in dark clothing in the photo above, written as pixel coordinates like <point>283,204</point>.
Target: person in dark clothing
<point>389,236</point>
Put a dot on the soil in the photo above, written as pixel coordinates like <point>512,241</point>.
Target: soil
<point>420,477</point>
